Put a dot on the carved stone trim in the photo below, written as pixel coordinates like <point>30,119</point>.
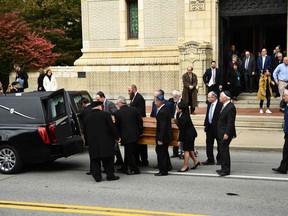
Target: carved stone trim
<point>128,61</point>
<point>197,5</point>
<point>251,7</point>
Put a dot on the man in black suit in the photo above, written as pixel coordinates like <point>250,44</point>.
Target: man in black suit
<point>211,128</point>
<point>249,71</point>
<point>163,136</point>
<point>109,106</point>
<point>226,131</point>
<point>283,168</point>
<point>84,113</point>
<point>213,78</point>
<point>130,126</point>
<point>101,135</point>
<point>138,101</point>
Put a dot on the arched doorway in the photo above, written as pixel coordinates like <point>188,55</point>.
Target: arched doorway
<point>252,25</point>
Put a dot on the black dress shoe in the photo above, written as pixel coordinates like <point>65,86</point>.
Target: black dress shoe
<point>133,172</point>
<point>198,164</point>
<point>88,173</point>
<point>208,163</point>
<point>113,178</point>
<point>174,156</point>
<point>156,167</point>
<point>144,164</point>
<point>183,170</point>
<point>279,171</point>
<point>223,173</point>
<point>161,174</point>
<point>121,170</point>
<point>218,171</point>
<point>98,180</point>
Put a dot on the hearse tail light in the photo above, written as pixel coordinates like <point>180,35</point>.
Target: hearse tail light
<point>44,135</point>
<point>52,133</point>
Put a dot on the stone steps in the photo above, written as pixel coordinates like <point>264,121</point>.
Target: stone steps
<point>271,123</point>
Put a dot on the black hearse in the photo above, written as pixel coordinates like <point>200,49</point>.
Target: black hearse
<point>38,127</point>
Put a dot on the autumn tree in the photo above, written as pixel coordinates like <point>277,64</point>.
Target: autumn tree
<point>44,16</point>
<point>19,44</point>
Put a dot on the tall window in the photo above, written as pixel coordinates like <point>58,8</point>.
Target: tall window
<point>132,18</point>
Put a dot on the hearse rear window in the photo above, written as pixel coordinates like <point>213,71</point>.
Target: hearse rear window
<point>56,107</point>
<point>16,110</point>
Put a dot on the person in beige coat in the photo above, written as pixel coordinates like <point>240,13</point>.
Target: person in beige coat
<point>265,90</point>
<point>190,91</point>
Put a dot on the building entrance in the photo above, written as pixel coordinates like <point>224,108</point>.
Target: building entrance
<point>252,27</point>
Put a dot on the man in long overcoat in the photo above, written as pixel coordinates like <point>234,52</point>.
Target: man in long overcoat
<point>101,135</point>
<point>189,94</point>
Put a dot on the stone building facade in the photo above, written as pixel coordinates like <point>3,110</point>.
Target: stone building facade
<point>170,35</point>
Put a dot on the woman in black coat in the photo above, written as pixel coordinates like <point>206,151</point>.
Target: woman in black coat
<point>187,135</point>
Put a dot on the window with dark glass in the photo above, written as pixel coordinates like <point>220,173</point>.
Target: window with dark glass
<point>132,18</point>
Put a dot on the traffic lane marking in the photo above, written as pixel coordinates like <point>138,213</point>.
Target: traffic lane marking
<point>93,210</point>
<point>228,176</point>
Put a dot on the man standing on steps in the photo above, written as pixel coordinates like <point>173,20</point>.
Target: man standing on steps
<point>283,168</point>
<point>280,76</point>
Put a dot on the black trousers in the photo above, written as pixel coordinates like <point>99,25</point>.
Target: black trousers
<point>163,159</point>
<point>129,157</point>
<point>210,139</point>
<point>284,162</point>
<point>225,155</point>
<point>175,150</point>
<point>108,164</point>
<point>141,154</point>
<point>249,80</point>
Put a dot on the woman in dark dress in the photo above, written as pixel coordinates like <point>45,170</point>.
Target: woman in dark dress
<point>234,81</point>
<point>187,135</point>
<point>41,76</point>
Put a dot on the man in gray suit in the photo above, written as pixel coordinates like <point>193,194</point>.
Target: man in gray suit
<point>109,106</point>
<point>249,71</point>
<point>226,131</point>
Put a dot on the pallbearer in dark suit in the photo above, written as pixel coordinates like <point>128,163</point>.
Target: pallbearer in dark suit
<point>101,136</point>
<point>163,136</point>
<point>174,101</point>
<point>130,126</point>
<point>226,131</point>
<point>283,168</point>
<point>211,128</point>
<point>213,78</point>
<point>138,101</point>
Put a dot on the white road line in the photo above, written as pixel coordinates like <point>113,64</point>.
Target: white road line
<point>229,176</point>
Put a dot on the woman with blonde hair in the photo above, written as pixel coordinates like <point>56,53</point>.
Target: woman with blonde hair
<point>265,90</point>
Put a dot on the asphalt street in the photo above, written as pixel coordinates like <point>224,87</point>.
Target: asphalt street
<point>251,189</point>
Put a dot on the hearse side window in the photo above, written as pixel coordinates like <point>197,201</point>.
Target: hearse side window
<point>77,101</point>
<point>56,107</point>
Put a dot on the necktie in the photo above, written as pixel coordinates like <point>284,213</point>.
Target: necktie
<point>246,63</point>
<point>210,116</point>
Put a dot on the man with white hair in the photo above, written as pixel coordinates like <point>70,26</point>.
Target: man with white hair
<point>130,126</point>
<point>176,98</point>
<point>280,76</point>
<point>283,168</point>
<point>226,131</point>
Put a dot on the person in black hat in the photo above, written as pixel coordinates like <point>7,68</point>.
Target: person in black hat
<point>163,136</point>
<point>15,87</point>
<point>226,131</point>
<point>101,135</point>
